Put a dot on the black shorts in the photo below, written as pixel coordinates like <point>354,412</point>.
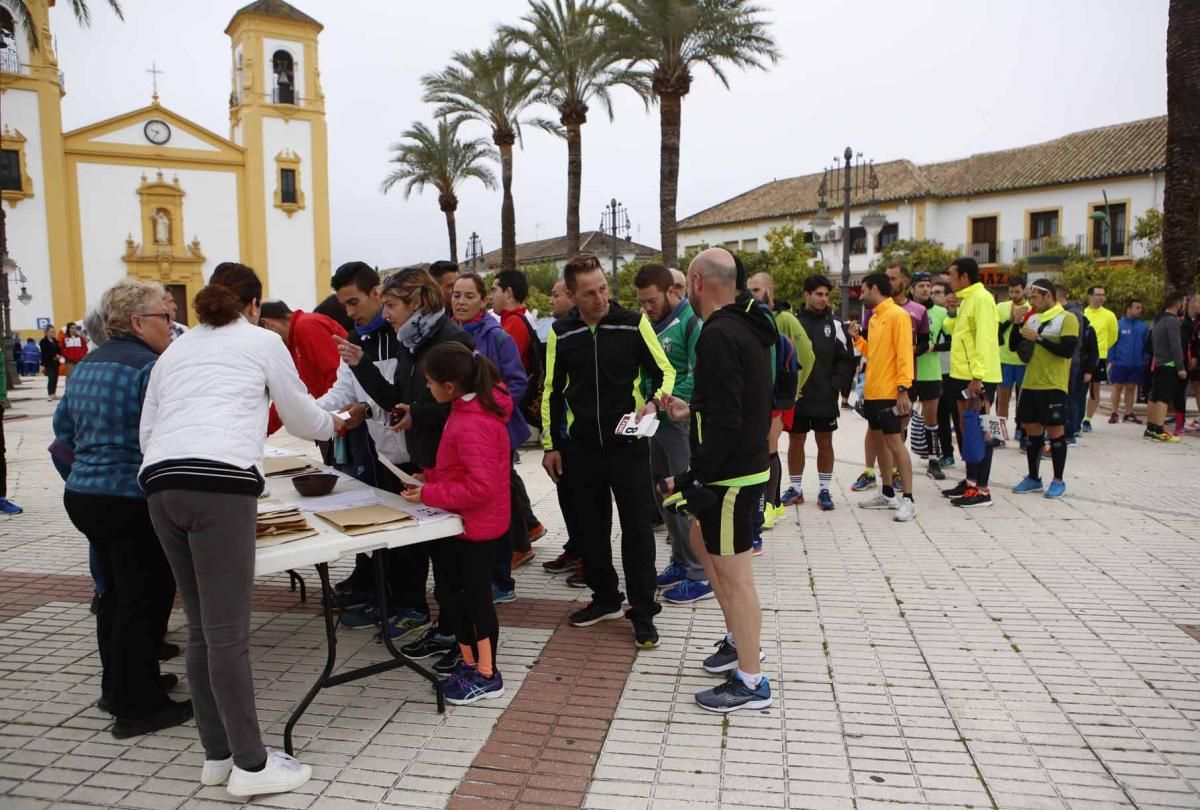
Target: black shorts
<point>1043,407</point>
<point>1165,383</point>
<point>803,423</point>
<point>881,417</point>
<point>1101,373</point>
<point>955,388</point>
<point>728,526</point>
<point>926,391</point>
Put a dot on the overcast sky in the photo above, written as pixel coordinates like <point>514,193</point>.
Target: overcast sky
<point>921,79</point>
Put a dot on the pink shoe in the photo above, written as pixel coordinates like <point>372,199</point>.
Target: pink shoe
<point>1179,431</point>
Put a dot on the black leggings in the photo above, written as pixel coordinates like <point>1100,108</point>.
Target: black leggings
<point>472,588</point>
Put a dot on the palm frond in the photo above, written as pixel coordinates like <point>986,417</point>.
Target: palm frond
<point>437,157</point>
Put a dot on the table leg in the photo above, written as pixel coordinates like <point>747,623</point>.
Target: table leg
<point>294,580</point>
<point>330,660</point>
<point>381,589</point>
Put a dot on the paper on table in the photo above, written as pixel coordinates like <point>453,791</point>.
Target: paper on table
<point>407,479</point>
<point>426,514</point>
<point>630,426</point>
<point>285,464</point>
<point>284,537</point>
<point>339,500</point>
<point>365,519</point>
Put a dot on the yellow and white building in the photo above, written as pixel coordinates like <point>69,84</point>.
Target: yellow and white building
<point>152,195</point>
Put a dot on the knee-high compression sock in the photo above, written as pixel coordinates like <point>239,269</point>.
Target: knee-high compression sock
<point>468,654</point>
<point>776,477</point>
<point>985,468</point>
<point>1033,454</point>
<point>1058,456</point>
<point>486,664</point>
<point>932,438</point>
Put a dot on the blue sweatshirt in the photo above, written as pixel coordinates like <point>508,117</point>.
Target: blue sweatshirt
<point>1131,348</point>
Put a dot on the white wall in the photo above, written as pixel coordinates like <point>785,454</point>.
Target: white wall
<point>135,135</point>
<point>26,224</point>
<point>291,251</point>
<point>109,210</point>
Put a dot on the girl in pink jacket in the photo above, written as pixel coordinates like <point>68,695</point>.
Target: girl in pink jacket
<point>472,479</point>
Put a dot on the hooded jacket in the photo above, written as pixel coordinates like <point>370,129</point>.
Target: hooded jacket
<point>1167,342</point>
<point>496,345</point>
<point>310,342</point>
<point>975,349</point>
<point>1132,343</point>
<point>832,367</point>
<point>592,375</point>
<point>471,474</point>
<point>731,400</point>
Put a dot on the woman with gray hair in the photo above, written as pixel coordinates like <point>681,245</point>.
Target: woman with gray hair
<point>98,419</point>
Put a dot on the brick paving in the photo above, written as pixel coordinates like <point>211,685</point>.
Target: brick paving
<point>1033,655</point>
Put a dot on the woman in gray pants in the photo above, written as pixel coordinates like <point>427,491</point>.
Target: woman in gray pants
<point>202,432</point>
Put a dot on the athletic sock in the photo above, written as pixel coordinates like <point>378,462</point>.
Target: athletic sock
<point>1058,456</point>
<point>824,478</point>
<point>1033,454</point>
<point>796,482</point>
<point>888,492</point>
<point>773,481</point>
<point>751,681</point>
<point>931,436</point>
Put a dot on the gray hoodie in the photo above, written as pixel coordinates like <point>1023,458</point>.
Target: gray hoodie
<point>1165,338</point>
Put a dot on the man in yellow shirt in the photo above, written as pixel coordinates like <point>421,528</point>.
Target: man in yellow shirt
<point>1104,322</point>
<point>889,356</point>
<point>974,369</point>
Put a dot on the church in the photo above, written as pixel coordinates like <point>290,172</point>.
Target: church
<point>149,194</point>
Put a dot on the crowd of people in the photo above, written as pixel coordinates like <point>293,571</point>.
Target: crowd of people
<point>673,412</point>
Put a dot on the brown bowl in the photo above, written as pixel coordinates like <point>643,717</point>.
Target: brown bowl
<point>315,484</point>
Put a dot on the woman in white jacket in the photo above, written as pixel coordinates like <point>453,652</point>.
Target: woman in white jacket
<point>202,432</point>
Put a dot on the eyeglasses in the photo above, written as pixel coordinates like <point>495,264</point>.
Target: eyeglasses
<point>164,315</point>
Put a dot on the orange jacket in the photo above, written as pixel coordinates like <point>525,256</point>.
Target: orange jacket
<point>889,352</point>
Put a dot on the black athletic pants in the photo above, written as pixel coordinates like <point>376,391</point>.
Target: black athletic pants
<point>470,576</point>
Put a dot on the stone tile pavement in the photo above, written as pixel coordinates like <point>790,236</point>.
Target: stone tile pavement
<point>1023,656</point>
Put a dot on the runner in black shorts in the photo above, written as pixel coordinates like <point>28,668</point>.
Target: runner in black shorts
<point>881,415</point>
<point>927,390</point>
<point>813,424</point>
<point>723,538</point>
<point>1047,408</point>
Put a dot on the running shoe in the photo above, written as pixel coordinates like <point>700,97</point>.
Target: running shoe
<point>865,481</point>
<point>1179,431</point>
<point>906,511</point>
<point>536,532</point>
<point>756,547</point>
<point>576,580</point>
<point>825,500</point>
<point>769,517</point>
<point>430,643</point>
<point>1115,417</point>
<point>1072,441</point>
<point>7,507</point>
<point>281,774</point>
<point>562,563</point>
<point>959,490</point>
<point>972,498</point>
<point>996,444</point>
<point>594,614</point>
<point>791,497</point>
<point>468,686</point>
<point>1131,418</point>
<point>726,657</point>
<point>1056,489</point>
<point>688,591</point>
<point>351,598</point>
<point>880,501</point>
<point>897,482</point>
<point>734,694</point>
<point>671,575</point>
<point>406,622</point>
<point>1160,437</point>
<point>361,618</point>
<point>946,461</point>
<point>645,634</point>
<point>502,595</point>
<point>520,558</point>
<point>1028,484</point>
<point>934,470</point>
<point>1087,425</point>
<point>450,661</point>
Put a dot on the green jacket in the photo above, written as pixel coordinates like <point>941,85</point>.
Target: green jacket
<point>678,334</point>
<point>789,326</point>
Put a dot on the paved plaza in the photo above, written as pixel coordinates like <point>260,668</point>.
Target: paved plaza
<point>1031,655</point>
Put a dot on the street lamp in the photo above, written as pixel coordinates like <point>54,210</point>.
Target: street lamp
<point>1105,216</point>
<point>614,221</point>
<point>855,177</point>
<point>9,269</point>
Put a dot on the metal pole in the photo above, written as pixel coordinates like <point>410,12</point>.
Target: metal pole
<point>848,154</point>
<point>6,336</point>
<point>1109,229</point>
<point>612,227</point>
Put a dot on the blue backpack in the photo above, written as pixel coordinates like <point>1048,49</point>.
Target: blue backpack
<point>787,374</point>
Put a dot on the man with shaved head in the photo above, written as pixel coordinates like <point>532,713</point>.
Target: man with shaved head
<point>730,414</point>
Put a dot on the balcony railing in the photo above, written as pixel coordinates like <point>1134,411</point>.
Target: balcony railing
<point>9,61</point>
<point>1027,248</point>
<point>983,252</point>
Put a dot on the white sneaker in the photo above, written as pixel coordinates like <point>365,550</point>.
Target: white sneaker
<point>880,501</point>
<point>906,511</point>
<point>281,774</point>
<point>216,771</point>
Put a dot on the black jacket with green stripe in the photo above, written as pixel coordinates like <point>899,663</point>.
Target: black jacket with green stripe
<point>731,401</point>
<point>592,376</point>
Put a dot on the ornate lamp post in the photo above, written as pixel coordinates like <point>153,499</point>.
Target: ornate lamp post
<point>9,268</point>
<point>614,221</point>
<point>1105,216</point>
<point>474,251</point>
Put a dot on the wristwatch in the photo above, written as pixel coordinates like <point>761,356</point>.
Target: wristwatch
<point>902,389</point>
<point>367,412</point>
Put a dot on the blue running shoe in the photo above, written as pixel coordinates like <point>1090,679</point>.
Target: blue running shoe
<point>7,507</point>
<point>825,501</point>
<point>671,575</point>
<point>361,618</point>
<point>864,482</point>
<point>688,591</point>
<point>1056,489</point>
<point>467,686</point>
<point>791,496</point>
<point>726,657</point>
<point>1028,484</point>
<point>1087,426</point>
<point>946,461</point>
<point>500,595</point>
<point>733,695</point>
<point>756,546</point>
<point>406,622</point>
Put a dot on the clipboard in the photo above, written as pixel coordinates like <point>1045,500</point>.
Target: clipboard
<point>404,477</point>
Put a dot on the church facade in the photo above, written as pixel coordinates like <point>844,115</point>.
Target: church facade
<point>152,195</point>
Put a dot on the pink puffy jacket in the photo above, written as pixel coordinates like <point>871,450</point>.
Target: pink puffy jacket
<point>472,476</point>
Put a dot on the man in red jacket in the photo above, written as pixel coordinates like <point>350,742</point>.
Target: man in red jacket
<point>309,338</point>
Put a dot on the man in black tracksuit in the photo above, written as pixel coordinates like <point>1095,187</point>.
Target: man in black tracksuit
<point>595,357</point>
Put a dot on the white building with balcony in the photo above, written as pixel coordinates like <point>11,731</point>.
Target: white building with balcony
<point>995,206</point>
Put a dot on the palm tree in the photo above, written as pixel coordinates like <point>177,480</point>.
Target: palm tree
<point>671,37</point>
<point>496,88</point>
<point>572,63</point>
<point>1181,195</point>
<point>440,160</point>
<point>83,15</point>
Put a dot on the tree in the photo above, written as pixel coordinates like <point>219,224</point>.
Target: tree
<point>572,63</point>
<point>496,88</point>
<point>670,38</point>
<point>924,255</point>
<point>1181,194</point>
<point>443,161</point>
<point>83,15</point>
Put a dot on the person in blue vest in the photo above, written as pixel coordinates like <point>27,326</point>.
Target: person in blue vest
<point>1127,361</point>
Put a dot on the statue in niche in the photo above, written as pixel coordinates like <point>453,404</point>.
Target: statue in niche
<point>162,227</point>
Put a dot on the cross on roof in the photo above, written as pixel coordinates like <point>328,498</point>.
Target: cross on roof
<point>154,71</point>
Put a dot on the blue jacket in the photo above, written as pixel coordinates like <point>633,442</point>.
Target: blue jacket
<point>1131,346</point>
<point>494,343</point>
<point>99,415</point>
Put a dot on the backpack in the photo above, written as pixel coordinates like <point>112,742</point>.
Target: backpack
<point>531,403</point>
<point>787,374</point>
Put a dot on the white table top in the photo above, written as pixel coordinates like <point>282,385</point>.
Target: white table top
<point>330,544</point>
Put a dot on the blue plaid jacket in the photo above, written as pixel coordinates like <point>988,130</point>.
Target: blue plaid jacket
<point>99,415</point>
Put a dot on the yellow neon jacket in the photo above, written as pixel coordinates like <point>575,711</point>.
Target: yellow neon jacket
<point>975,345</point>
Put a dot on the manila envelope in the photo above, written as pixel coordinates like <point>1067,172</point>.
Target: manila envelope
<point>366,519</point>
<point>286,464</point>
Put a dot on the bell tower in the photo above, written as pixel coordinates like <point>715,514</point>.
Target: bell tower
<point>277,114</point>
